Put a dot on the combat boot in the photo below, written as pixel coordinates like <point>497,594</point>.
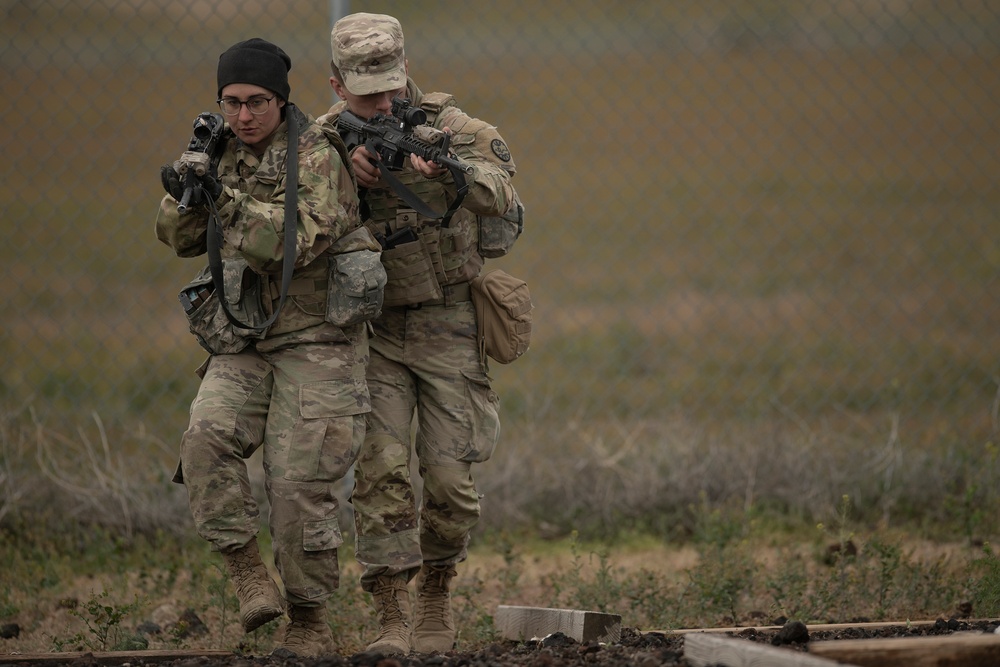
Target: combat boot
<point>392,604</point>
<point>260,599</point>
<point>307,634</point>
<point>433,627</point>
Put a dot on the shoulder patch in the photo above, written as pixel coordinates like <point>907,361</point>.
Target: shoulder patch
<point>500,149</point>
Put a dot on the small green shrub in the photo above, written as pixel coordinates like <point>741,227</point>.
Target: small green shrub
<point>103,621</point>
<point>985,585</point>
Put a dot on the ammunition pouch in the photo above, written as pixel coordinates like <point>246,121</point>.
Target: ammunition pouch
<point>458,249</point>
<point>410,274</point>
<point>357,281</point>
<point>206,319</point>
<point>497,234</point>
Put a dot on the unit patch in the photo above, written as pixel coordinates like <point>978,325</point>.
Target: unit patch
<point>500,150</point>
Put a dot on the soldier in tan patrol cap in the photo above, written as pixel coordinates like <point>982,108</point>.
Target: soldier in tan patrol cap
<point>425,356</point>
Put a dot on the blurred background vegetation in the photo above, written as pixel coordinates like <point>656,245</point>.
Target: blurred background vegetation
<point>761,237</point>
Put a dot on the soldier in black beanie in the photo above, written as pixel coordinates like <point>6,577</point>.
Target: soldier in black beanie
<point>293,383</point>
<point>256,61</point>
<point>243,70</point>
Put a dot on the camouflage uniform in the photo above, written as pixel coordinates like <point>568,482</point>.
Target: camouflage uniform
<point>425,357</point>
<point>299,389</point>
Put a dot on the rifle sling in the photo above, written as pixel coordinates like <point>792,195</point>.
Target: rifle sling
<point>291,232</point>
<point>415,202</point>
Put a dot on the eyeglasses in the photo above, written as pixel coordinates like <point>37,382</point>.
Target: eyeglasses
<point>257,105</point>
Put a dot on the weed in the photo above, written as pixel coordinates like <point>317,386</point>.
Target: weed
<point>833,593</point>
<point>719,582</point>
<point>103,622</point>
<point>585,593</point>
<point>253,643</point>
<point>7,607</point>
<point>474,619</point>
<point>560,584</point>
<point>888,560</point>
<point>512,571</point>
<point>788,587</point>
<point>220,597</point>
<point>352,616</point>
<point>967,507</point>
<point>985,585</point>
<point>650,600</point>
<point>925,589</point>
<point>725,572</point>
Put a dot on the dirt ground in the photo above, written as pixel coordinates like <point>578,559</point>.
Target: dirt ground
<point>641,649</point>
<point>635,649</point>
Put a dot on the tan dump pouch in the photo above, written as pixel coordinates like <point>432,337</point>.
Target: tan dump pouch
<point>503,315</point>
<point>410,274</point>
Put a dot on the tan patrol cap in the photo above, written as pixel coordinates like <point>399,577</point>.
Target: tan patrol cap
<point>368,51</point>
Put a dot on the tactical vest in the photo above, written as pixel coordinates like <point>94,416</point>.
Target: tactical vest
<point>343,286</point>
<point>438,256</point>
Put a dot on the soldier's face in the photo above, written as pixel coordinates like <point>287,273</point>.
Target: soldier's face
<point>366,106</point>
<point>255,130</point>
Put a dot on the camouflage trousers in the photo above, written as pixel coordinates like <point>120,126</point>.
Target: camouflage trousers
<point>305,404</point>
<point>424,360</point>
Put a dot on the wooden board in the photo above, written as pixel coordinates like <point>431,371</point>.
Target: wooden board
<point>701,649</point>
<point>522,623</point>
<point>109,658</point>
<point>819,627</point>
<point>960,649</point>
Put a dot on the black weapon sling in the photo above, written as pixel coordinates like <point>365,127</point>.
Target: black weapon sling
<point>411,198</point>
<point>214,239</point>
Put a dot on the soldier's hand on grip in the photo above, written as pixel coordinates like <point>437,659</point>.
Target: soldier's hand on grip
<point>171,182</point>
<point>212,187</point>
<point>365,171</point>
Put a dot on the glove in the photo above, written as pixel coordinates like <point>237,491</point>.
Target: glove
<point>212,187</point>
<point>171,182</point>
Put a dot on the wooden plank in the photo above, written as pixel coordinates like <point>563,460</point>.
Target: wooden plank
<point>819,627</point>
<point>701,649</point>
<point>522,623</point>
<point>109,658</point>
<point>964,649</point>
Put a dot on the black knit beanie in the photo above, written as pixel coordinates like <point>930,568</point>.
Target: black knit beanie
<point>255,61</point>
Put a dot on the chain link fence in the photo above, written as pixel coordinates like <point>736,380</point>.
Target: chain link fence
<point>747,222</point>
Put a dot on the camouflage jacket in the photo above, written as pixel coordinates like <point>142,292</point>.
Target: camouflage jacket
<point>252,212</point>
<point>490,192</point>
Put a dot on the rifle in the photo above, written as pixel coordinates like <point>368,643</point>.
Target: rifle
<point>197,160</point>
<point>392,138</point>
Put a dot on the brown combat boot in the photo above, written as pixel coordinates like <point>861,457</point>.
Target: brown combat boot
<point>392,603</point>
<point>260,599</point>
<point>307,634</point>
<point>433,627</point>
